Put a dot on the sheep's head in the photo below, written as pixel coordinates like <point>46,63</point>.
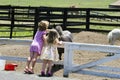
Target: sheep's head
<point>59,29</point>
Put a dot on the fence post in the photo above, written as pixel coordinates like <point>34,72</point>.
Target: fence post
<point>87,19</point>
<point>68,58</point>
<point>9,11</point>
<point>48,14</point>
<point>65,19</point>
<point>36,21</point>
<point>12,22</point>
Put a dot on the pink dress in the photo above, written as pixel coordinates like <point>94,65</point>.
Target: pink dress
<point>38,42</point>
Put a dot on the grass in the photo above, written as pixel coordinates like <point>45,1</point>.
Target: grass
<point>17,32</point>
<point>5,32</point>
<point>59,3</point>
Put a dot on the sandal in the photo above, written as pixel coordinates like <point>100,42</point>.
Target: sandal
<point>49,75</point>
<point>42,73</point>
<point>26,70</point>
<point>30,72</point>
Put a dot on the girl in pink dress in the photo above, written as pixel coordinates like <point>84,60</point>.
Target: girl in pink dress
<point>36,46</point>
<point>49,52</point>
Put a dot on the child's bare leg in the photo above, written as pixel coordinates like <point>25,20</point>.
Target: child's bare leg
<point>28,62</point>
<point>34,59</point>
<point>50,63</point>
<point>43,67</point>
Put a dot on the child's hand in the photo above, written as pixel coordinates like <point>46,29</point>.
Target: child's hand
<point>61,42</point>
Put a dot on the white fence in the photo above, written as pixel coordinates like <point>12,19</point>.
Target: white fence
<point>70,67</point>
<point>19,42</point>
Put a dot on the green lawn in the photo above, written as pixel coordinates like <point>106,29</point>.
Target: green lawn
<point>59,3</point>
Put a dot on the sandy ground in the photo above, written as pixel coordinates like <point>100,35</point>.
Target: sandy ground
<point>80,57</point>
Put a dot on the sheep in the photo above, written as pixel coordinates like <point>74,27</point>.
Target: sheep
<point>66,36</point>
<point>112,37</point>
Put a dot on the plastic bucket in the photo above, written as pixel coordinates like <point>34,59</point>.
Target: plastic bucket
<point>10,66</point>
<point>2,64</point>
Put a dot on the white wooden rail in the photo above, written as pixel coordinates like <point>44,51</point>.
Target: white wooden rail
<point>70,67</point>
<point>19,42</point>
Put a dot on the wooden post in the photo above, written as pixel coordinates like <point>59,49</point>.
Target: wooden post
<point>65,19</point>
<point>36,21</point>
<point>68,59</point>
<point>12,22</point>
<point>48,14</point>
<point>87,19</point>
<point>66,63</point>
<point>9,11</point>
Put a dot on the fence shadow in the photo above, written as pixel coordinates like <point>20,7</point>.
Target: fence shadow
<point>56,68</point>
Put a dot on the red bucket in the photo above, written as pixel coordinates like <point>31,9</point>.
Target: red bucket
<point>10,66</point>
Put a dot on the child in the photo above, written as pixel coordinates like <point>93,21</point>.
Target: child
<point>36,46</point>
<point>49,52</point>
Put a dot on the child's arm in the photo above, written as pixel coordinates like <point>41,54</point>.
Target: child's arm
<point>44,39</point>
<point>59,43</point>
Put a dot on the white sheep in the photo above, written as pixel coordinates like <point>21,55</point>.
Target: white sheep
<point>112,37</point>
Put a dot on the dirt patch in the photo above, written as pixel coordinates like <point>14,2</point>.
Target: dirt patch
<point>80,57</point>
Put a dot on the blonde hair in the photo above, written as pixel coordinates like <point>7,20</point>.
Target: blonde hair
<point>43,25</point>
<point>52,35</point>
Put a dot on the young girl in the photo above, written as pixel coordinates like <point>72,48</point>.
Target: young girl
<point>36,46</point>
<point>49,52</point>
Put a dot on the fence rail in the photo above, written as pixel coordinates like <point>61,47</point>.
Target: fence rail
<point>23,16</point>
<point>91,68</point>
<point>94,67</point>
<point>19,42</point>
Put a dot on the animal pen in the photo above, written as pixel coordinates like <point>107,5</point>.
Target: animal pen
<point>91,68</point>
<point>11,18</point>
